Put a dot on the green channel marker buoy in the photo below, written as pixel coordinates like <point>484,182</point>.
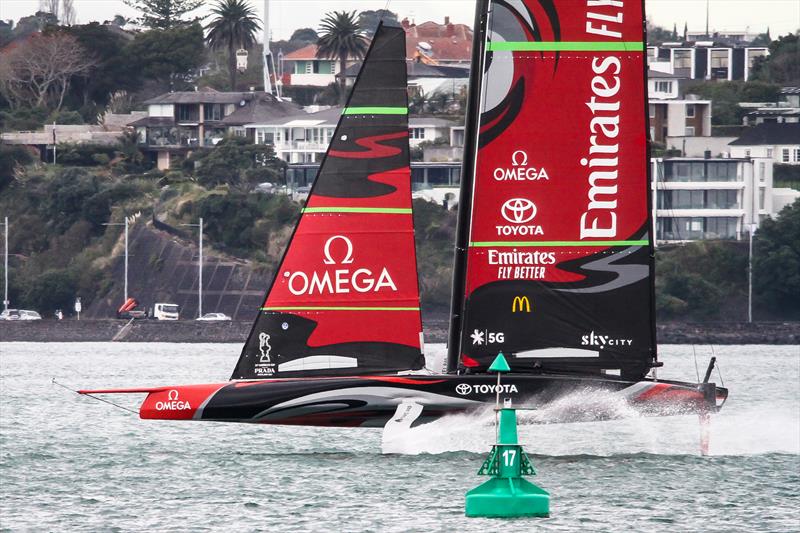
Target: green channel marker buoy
<point>507,494</point>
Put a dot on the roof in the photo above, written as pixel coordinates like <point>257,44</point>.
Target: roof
<point>152,122</point>
<point>653,74</point>
<point>203,96</point>
<point>770,133</point>
<point>261,109</point>
<point>446,42</point>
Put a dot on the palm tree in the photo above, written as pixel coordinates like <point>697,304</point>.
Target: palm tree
<point>234,26</point>
<point>341,37</point>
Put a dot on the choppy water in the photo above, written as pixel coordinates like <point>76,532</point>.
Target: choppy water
<point>68,463</point>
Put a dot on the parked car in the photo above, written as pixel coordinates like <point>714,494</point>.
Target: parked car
<point>214,316</point>
<point>165,311</point>
<point>20,314</point>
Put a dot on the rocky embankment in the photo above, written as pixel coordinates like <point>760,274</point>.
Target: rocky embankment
<point>435,331</point>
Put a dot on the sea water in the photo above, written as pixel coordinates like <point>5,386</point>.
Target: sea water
<point>70,463</point>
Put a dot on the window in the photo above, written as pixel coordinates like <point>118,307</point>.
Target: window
<point>416,133</point>
<point>690,131</point>
<point>212,112</point>
<point>721,199</point>
<point>762,171</point>
<point>682,58</point>
<point>309,67</point>
<point>690,110</point>
<point>652,109</point>
<point>747,153</point>
<point>663,86</point>
<point>760,199</point>
<point>797,155</point>
<point>721,171</point>
<point>785,155</point>
<point>770,152</point>
<point>719,59</point>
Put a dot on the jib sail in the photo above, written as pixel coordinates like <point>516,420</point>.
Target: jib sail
<point>559,269</point>
<point>345,298</point>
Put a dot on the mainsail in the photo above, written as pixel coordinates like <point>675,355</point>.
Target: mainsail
<point>345,298</point>
<point>558,254</point>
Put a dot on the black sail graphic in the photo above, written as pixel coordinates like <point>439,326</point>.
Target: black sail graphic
<point>345,298</point>
<point>558,270</point>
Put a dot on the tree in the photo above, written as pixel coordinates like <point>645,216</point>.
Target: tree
<point>33,23</point>
<point>656,34</point>
<point>238,163</point>
<point>369,20</point>
<point>234,27</point>
<point>112,74</point>
<point>164,14</point>
<point>782,65</point>
<point>167,55</point>
<point>341,37</point>
<point>304,34</point>
<point>776,262</point>
<point>38,72</point>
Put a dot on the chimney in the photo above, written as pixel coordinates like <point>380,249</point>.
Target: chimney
<point>446,21</point>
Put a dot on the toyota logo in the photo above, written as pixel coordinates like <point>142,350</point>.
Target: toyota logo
<point>518,210</point>
<point>463,389</point>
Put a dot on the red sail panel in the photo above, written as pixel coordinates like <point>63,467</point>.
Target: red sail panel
<point>345,298</point>
<point>559,245</point>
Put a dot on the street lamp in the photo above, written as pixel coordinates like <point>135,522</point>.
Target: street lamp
<point>5,265</point>
<point>126,251</point>
<point>199,268</point>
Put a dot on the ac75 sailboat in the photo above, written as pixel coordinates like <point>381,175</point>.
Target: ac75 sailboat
<point>554,251</point>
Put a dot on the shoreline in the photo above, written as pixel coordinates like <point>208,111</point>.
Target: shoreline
<point>190,331</point>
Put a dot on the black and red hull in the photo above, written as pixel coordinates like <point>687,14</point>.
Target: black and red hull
<point>370,401</point>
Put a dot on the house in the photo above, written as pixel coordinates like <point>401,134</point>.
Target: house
<point>424,78</point>
<point>704,198</point>
<point>673,113</point>
<point>786,109</point>
<point>779,142</point>
<point>303,67</point>
<point>304,137</point>
<point>445,44</point>
<point>688,117</point>
<point>109,132</point>
<point>705,60</point>
<point>178,122</point>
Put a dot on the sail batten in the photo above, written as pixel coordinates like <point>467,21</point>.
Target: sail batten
<point>347,285</point>
<point>558,252</point>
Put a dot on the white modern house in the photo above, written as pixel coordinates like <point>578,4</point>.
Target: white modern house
<point>304,137</point>
<point>704,198</point>
<point>779,142</point>
<point>705,60</point>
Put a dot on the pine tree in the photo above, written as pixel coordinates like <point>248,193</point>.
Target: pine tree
<point>163,14</point>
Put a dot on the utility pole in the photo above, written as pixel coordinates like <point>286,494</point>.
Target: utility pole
<point>754,193</point>
<point>267,56</point>
<point>54,142</point>
<point>125,297</point>
<point>199,225</point>
<point>5,265</point>
<point>708,36</point>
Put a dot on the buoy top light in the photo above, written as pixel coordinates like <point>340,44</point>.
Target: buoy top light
<point>500,364</point>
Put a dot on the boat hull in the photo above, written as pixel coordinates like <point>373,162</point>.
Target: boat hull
<point>371,401</point>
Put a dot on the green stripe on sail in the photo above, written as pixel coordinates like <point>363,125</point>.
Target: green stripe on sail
<point>375,111</point>
<point>344,308</point>
<point>381,210</point>
<point>565,46</point>
<point>575,244</point>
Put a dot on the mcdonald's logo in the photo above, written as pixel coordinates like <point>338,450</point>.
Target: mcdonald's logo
<point>522,303</point>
